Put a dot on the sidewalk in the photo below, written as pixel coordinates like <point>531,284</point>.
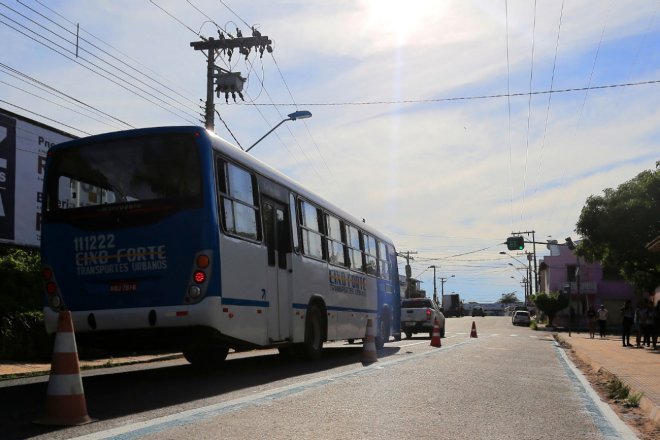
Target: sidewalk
<point>639,368</point>
<point>11,370</point>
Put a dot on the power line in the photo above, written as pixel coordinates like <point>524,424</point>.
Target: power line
<point>108,75</point>
<point>150,77</point>
<point>547,111</point>
<point>45,117</point>
<point>457,98</point>
<point>55,92</point>
<point>529,117</point>
<point>508,100</point>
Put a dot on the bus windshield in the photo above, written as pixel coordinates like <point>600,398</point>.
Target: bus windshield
<point>122,171</point>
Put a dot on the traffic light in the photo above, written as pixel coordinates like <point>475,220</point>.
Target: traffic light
<point>516,243</point>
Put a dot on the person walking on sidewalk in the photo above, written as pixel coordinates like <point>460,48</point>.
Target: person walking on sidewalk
<point>591,321</point>
<point>628,314</point>
<point>601,315</point>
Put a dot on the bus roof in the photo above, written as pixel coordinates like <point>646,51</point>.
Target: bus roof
<point>240,156</point>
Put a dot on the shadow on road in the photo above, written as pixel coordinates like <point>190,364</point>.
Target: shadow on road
<point>114,395</point>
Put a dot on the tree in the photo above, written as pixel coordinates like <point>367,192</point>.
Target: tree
<point>617,226</point>
<point>550,304</point>
<point>509,298</point>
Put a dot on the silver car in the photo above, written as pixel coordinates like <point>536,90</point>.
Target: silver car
<point>521,317</point>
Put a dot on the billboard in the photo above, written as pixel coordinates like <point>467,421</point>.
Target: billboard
<point>23,147</point>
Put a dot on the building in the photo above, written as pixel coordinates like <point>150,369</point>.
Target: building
<point>415,285</point>
<point>589,284</point>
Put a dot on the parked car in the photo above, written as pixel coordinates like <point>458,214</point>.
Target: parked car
<point>418,316</point>
<point>521,317</point>
<point>478,311</point>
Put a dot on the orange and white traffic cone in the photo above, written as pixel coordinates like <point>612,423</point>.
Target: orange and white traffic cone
<point>435,337</point>
<point>369,353</point>
<point>65,398</point>
<point>473,333</point>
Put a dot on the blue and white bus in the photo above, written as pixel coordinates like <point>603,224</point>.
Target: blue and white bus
<point>175,234</point>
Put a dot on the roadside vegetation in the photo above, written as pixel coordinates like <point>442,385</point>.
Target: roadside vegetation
<point>22,332</point>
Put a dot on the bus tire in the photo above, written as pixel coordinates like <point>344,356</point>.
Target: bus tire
<point>384,332</point>
<point>206,354</point>
<point>313,346</point>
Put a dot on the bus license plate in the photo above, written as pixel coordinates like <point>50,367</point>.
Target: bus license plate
<point>123,286</point>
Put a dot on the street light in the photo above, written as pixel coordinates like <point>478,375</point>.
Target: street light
<point>300,114</point>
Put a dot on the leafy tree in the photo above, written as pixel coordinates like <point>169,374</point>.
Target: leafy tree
<point>20,281</point>
<point>617,226</point>
<point>550,304</point>
<point>508,298</point>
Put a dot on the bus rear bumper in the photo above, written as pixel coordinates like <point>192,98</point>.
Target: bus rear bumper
<point>205,313</point>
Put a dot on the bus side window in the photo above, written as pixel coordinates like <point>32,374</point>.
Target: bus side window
<point>336,249</point>
<point>238,201</point>
<point>311,227</point>
<point>383,264</point>
<point>354,248</point>
<point>370,254</point>
<point>293,216</point>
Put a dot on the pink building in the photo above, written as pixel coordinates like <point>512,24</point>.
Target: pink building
<point>591,285</point>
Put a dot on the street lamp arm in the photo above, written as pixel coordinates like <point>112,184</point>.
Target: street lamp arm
<point>269,132</point>
<point>300,114</point>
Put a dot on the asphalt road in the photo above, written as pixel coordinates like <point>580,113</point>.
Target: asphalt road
<point>508,383</point>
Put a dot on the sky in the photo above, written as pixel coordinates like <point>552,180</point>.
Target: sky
<point>445,124</point>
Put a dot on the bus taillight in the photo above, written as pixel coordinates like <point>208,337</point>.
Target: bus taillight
<point>199,276</point>
<point>51,288</point>
<point>46,274</point>
<point>203,261</point>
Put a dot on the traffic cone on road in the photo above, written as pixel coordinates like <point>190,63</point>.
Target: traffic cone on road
<point>473,333</point>
<point>65,398</point>
<point>435,337</point>
<point>369,353</point>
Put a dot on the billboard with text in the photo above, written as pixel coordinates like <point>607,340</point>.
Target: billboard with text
<point>23,147</point>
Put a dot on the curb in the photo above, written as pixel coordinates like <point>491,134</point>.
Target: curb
<point>96,364</point>
<point>647,405</point>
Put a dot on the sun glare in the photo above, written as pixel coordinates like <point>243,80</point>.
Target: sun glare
<point>396,17</point>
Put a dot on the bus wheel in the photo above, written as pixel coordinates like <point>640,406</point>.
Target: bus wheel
<point>206,354</point>
<point>313,345</point>
<point>384,333</point>
<point>351,341</point>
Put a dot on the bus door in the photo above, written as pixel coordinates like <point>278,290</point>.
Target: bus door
<point>278,243</point>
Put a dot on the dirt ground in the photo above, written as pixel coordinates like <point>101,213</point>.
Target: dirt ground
<point>636,418</point>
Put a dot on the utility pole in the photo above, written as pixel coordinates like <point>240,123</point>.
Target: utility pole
<point>443,281</point>
<point>536,276</point>
<point>407,256</point>
<point>227,82</point>
<point>435,288</point>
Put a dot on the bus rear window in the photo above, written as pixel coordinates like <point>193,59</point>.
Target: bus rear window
<point>124,170</point>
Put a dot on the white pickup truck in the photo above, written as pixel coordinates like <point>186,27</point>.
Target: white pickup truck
<point>418,316</point>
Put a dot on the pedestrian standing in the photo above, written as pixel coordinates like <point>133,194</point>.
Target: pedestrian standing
<point>649,323</point>
<point>652,323</point>
<point>628,315</point>
<point>591,321</point>
<point>601,315</point>
<point>637,322</point>
<point>656,327</point>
